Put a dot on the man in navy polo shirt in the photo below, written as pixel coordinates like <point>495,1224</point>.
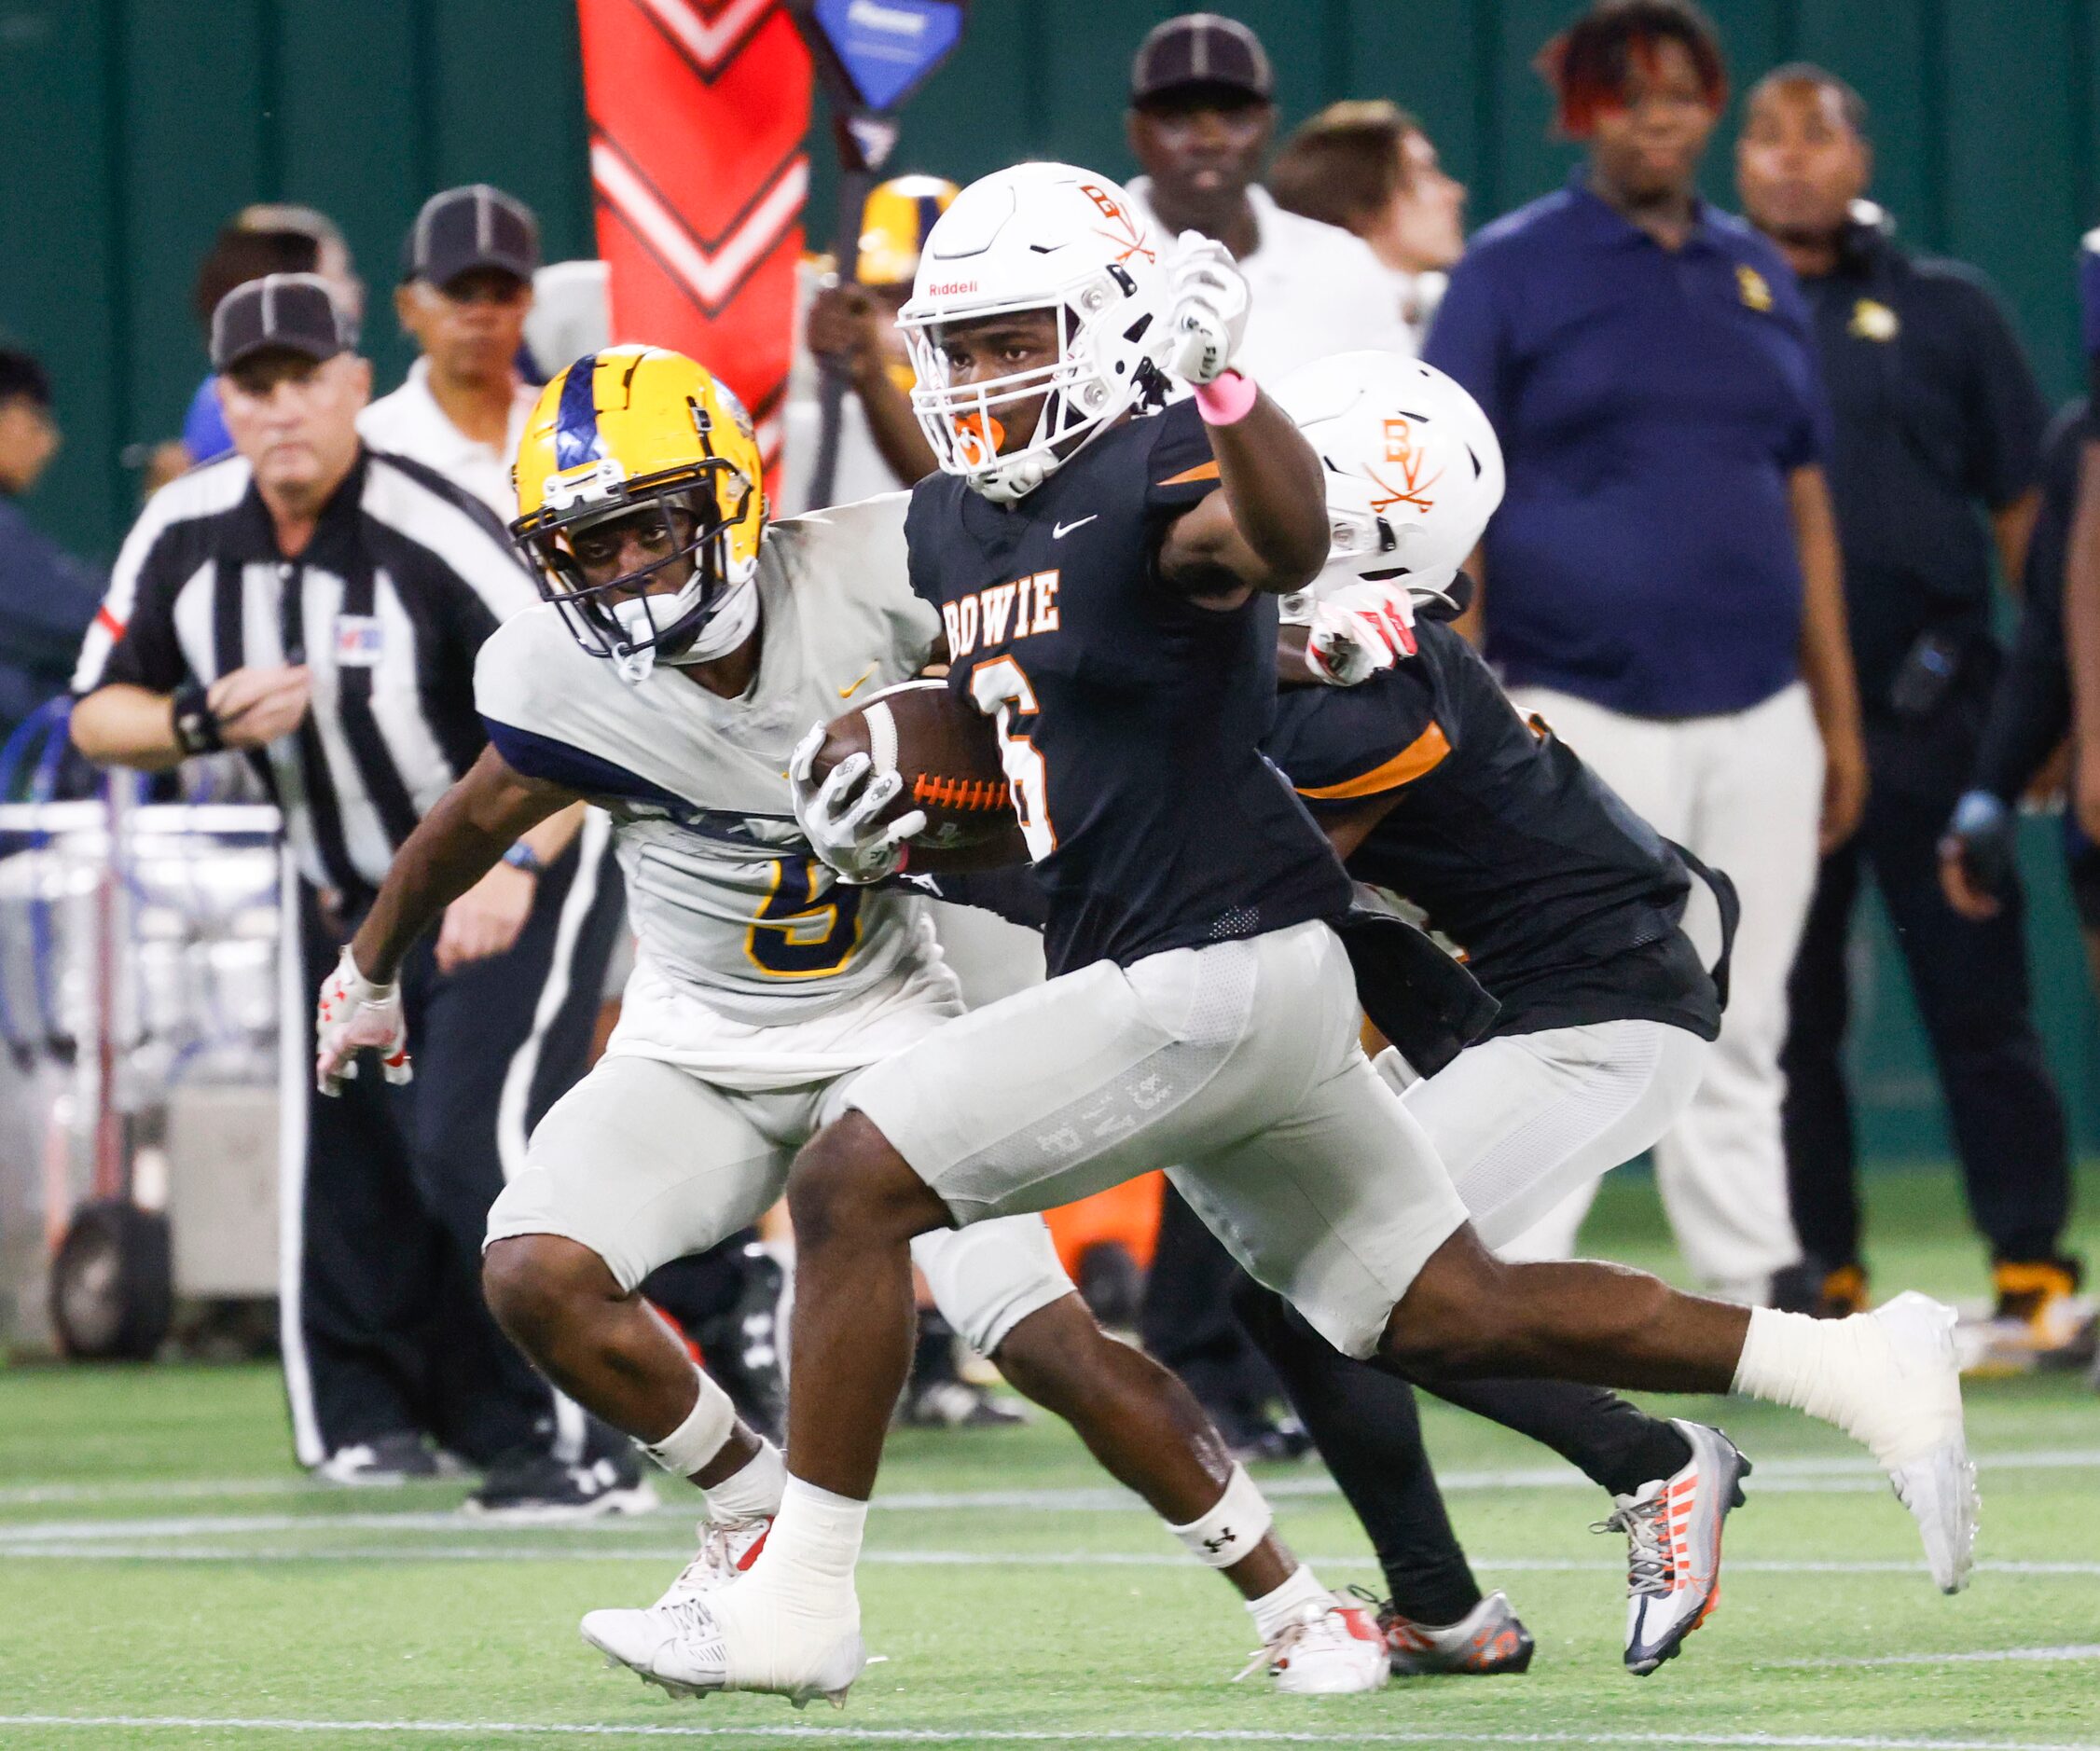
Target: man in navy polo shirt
<point>1662,581</point>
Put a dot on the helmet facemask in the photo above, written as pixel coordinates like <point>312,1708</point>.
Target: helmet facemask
<point>622,618</point>
<point>1102,368</point>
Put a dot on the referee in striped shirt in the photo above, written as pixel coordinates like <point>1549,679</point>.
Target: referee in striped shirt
<point>319,606</point>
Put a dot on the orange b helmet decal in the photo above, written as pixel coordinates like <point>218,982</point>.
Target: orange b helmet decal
<point>1402,455</point>
<point>1125,235</point>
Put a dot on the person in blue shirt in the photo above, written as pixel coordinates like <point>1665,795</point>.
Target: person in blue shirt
<point>1662,582</point>
<point>47,596</point>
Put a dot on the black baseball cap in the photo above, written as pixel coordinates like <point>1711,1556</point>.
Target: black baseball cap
<point>1201,48</point>
<point>295,312</point>
<point>464,228</point>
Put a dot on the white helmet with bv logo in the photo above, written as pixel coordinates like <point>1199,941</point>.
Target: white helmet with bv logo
<point>1412,469</point>
<point>1038,236</point>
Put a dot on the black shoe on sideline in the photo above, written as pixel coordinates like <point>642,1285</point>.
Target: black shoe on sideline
<point>384,1462</point>
<point>539,1490</point>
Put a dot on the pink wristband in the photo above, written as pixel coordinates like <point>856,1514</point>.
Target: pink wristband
<point>1225,401</point>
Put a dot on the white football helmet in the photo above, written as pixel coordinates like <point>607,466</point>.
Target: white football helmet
<point>1038,236</point>
<point>1413,471</point>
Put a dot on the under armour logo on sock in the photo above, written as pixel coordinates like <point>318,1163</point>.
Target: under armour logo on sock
<point>1226,1539</point>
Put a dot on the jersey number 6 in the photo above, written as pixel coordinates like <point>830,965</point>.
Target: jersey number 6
<point>1001,687</point>
<point>798,936</point>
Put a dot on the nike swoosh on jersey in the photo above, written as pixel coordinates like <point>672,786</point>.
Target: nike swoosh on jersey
<point>848,692</point>
<point>1062,529</point>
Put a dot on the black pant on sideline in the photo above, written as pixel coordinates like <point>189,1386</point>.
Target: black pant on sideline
<point>384,1327</point>
<point>1970,982</point>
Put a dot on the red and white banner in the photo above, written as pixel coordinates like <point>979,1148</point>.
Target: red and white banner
<point>697,113</point>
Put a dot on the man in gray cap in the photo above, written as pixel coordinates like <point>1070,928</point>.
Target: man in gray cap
<point>319,606</point>
<point>465,292</point>
<point>1202,114</point>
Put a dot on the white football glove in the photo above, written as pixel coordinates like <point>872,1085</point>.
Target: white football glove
<point>1359,631</point>
<point>354,1013</point>
<point>1206,315</point>
<point>840,817</point>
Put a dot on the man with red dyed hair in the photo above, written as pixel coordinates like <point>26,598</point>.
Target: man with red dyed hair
<point>1662,581</point>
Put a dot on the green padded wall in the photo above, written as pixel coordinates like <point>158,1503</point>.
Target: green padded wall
<point>135,126</point>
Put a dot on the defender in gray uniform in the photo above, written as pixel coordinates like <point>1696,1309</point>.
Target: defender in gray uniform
<point>684,647</point>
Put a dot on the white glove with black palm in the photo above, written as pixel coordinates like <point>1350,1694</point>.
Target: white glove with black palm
<point>1358,630</point>
<point>354,1013</point>
<point>842,816</point>
<point>1207,311</point>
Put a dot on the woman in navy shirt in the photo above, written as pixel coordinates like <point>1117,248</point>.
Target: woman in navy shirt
<point>1662,582</point>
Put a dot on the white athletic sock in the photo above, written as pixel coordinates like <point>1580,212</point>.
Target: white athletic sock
<point>808,1566</point>
<point>752,1491</point>
<point>1275,1611</point>
<point>1846,1371</point>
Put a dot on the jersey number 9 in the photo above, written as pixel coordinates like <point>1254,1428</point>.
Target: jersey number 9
<point>798,936</point>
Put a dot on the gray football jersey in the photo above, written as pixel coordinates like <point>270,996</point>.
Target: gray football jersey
<point>722,890</point>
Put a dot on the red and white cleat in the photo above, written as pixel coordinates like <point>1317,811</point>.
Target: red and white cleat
<point>727,1549</point>
<point>1673,1528</point>
<point>1333,1650</point>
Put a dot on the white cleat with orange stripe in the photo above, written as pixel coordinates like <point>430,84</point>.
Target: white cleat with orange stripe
<point>1673,1528</point>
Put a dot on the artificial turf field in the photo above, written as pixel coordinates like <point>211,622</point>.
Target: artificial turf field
<point>168,1580</point>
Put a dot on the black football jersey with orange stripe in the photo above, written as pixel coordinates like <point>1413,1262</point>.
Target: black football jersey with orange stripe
<point>1132,719</point>
<point>1565,901</point>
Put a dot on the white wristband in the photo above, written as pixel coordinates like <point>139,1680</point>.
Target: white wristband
<point>1231,1530</point>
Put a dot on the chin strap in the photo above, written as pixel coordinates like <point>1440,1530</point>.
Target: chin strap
<point>727,627</point>
<point>1010,486</point>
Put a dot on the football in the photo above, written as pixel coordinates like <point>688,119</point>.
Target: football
<point>948,752</point>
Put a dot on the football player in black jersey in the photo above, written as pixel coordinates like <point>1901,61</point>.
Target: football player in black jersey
<point>1109,582</point>
<point>1569,908</point>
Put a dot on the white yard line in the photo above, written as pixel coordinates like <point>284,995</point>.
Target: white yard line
<point>147,1490</point>
<point>63,1551</point>
<point>1047,1735</point>
<point>1989,1656</point>
<point>1836,1473</point>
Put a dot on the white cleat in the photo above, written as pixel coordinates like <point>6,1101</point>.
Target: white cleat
<point>727,1549</point>
<point>1333,1650</point>
<point>675,1644</point>
<point>1924,1449</point>
<point>729,1639</point>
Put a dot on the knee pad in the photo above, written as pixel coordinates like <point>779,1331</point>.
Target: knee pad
<point>988,1278</point>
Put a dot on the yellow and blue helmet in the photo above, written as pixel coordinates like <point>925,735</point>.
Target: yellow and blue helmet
<point>640,431</point>
<point>893,226</point>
